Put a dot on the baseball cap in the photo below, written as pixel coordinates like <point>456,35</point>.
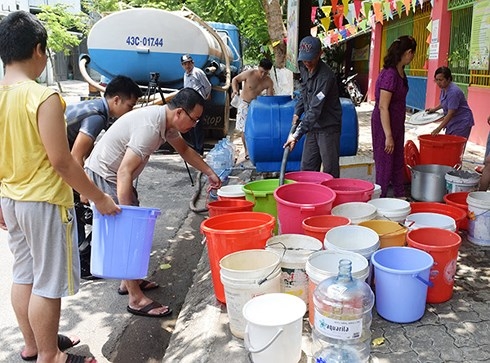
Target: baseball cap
<point>309,48</point>
<point>186,58</point>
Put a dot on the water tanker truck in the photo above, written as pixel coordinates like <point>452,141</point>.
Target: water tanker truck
<point>146,44</point>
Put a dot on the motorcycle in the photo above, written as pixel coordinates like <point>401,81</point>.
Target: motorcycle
<point>352,88</point>
<point>349,88</point>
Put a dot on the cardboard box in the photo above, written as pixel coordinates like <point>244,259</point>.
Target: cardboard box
<point>357,167</point>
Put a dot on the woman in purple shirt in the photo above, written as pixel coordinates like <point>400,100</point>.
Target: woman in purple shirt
<point>388,118</point>
<point>458,118</point>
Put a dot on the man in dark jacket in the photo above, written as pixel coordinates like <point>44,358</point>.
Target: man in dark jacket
<point>318,110</point>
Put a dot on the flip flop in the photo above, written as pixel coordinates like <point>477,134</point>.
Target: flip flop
<point>145,285</point>
<point>72,358</point>
<point>144,311</point>
<point>64,343</point>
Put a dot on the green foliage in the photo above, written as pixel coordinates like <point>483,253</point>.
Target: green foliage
<point>61,26</point>
<point>247,15</point>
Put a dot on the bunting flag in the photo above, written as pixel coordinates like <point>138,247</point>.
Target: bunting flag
<point>378,13</point>
<point>399,8</point>
<point>429,38</point>
<point>366,7</point>
<point>338,19</point>
<point>320,3</point>
<point>429,26</point>
<point>357,8</point>
<point>334,6</point>
<point>350,16</point>
<point>345,4</point>
<point>414,4</point>
<point>363,24</point>
<point>313,14</point>
<point>326,10</point>
<point>407,6</point>
<point>325,22</point>
<point>387,10</point>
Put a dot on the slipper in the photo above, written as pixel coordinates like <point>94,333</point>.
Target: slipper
<point>144,311</point>
<point>145,285</point>
<point>72,358</point>
<point>64,343</point>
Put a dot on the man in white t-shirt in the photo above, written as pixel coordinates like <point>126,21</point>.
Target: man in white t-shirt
<point>122,153</point>
<point>196,79</point>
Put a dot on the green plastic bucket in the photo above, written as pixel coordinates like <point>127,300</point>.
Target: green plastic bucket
<point>261,192</point>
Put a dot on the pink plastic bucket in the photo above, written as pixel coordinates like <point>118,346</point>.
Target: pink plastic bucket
<point>298,201</point>
<point>350,190</point>
<point>308,176</point>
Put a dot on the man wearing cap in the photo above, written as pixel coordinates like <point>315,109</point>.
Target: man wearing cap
<point>196,79</point>
<point>318,110</point>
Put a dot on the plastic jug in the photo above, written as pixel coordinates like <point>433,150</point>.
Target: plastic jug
<point>342,318</point>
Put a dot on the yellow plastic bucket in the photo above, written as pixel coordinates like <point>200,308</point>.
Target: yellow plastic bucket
<point>390,233</point>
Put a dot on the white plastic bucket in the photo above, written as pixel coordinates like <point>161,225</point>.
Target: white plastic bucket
<point>479,218</point>
<point>294,250</point>
<point>231,192</point>
<point>245,275</point>
<point>324,264</point>
<point>376,192</point>
<point>274,328</point>
<point>461,181</point>
<point>392,209</point>
<point>352,238</point>
<point>357,212</point>
<point>437,220</point>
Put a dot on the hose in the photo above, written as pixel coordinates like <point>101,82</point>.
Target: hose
<point>195,197</point>
<point>285,158</point>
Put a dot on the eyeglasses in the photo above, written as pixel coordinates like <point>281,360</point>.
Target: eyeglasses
<point>193,119</point>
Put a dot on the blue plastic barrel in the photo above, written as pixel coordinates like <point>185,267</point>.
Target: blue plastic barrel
<point>121,244</point>
<point>268,125</point>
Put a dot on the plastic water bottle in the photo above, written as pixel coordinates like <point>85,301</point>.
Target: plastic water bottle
<point>341,332</point>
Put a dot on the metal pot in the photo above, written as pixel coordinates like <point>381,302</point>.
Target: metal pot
<point>429,182</point>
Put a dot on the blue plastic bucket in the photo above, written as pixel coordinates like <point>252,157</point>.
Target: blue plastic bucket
<point>401,282</point>
<point>121,244</point>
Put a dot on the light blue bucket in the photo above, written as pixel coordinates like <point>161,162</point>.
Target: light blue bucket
<point>121,244</point>
<point>401,281</point>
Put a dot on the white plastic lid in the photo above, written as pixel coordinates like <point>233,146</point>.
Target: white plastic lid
<point>231,191</point>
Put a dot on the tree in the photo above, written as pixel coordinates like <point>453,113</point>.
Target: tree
<point>62,26</point>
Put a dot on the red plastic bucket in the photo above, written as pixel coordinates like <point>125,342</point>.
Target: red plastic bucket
<point>233,232</point>
<point>308,176</point>
<point>298,201</point>
<point>318,226</point>
<point>350,190</point>
<point>458,199</point>
<point>442,149</point>
<point>443,246</point>
<point>459,215</point>
<point>229,206</point>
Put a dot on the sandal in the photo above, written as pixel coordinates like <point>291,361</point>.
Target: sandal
<point>145,310</point>
<point>64,343</point>
<point>145,285</point>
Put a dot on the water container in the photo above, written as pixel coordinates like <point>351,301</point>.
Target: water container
<point>343,305</point>
<point>268,125</point>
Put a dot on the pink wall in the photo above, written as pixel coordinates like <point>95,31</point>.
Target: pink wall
<point>478,98</point>
<point>374,59</point>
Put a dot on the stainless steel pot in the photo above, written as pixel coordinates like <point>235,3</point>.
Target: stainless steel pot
<point>429,182</point>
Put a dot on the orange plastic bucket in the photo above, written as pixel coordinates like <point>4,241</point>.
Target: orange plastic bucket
<point>443,246</point>
<point>229,206</point>
<point>442,149</point>
<point>350,190</point>
<point>458,199</point>
<point>391,234</point>
<point>459,215</point>
<point>233,232</point>
<point>318,226</point>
